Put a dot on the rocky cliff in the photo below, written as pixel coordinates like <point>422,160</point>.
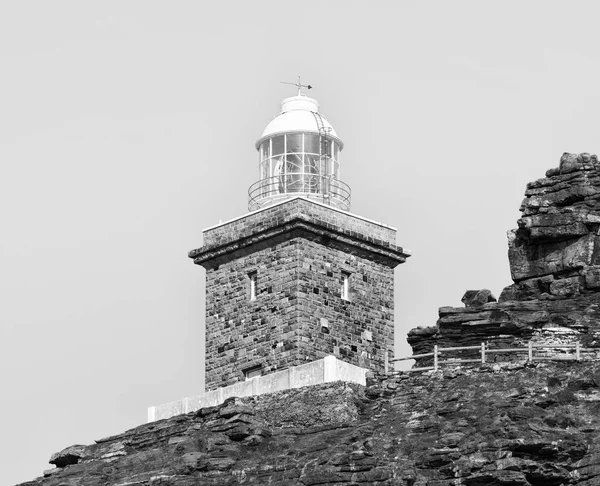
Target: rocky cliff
<point>516,426</point>
<point>554,258</point>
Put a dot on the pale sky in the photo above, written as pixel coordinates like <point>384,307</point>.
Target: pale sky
<point>127,127</point>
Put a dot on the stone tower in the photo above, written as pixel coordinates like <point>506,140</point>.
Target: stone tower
<point>298,277</point>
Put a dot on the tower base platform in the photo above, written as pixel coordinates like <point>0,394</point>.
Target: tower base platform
<point>323,370</point>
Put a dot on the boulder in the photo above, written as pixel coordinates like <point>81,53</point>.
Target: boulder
<point>573,162</point>
<point>476,298</point>
<point>70,455</point>
<point>591,276</point>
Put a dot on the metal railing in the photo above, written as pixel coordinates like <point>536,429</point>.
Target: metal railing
<point>484,350</point>
<point>325,189</point>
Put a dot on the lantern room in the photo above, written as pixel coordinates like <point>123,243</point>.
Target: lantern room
<point>299,155</point>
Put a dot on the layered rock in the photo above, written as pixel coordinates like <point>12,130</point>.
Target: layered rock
<point>523,426</point>
<point>554,258</point>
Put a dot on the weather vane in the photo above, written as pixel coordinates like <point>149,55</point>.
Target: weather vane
<point>298,85</point>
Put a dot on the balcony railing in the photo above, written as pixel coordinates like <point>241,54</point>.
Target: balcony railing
<point>325,189</point>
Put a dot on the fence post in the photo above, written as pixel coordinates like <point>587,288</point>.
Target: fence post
<point>386,362</point>
<point>435,357</point>
<point>578,351</point>
<point>482,353</point>
<point>530,349</point>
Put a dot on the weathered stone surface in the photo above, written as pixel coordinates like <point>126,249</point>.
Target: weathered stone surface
<point>566,287</point>
<point>572,162</point>
<point>528,426</point>
<point>554,258</point>
<point>535,260</point>
<point>68,456</point>
<point>591,275</point>
<point>475,298</point>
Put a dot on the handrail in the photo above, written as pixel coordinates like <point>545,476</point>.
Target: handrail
<point>326,189</point>
<point>484,349</point>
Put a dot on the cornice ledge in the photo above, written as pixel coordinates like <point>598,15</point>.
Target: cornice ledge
<point>212,255</point>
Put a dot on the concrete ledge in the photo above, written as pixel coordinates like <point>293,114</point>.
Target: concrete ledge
<point>320,371</point>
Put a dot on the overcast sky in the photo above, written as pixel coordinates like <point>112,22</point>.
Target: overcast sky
<point>126,127</point>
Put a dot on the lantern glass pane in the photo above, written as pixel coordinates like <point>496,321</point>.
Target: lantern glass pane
<point>294,142</point>
<point>278,145</point>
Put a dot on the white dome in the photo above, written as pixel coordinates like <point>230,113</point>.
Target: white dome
<point>298,114</point>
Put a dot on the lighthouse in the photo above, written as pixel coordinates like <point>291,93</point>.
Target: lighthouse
<point>299,290</point>
<point>299,277</point>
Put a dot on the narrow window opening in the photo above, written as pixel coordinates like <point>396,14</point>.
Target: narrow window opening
<point>252,372</point>
<point>345,286</point>
<point>252,277</point>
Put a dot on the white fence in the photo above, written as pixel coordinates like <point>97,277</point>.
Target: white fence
<point>576,353</point>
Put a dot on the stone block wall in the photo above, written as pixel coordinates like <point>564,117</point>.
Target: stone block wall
<point>300,251</point>
<point>358,330</point>
<point>241,333</point>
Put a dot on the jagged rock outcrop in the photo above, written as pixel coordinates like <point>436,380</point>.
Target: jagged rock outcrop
<point>519,426</point>
<point>554,258</point>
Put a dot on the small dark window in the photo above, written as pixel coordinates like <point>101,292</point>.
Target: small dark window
<point>345,292</point>
<point>252,372</point>
<point>252,277</point>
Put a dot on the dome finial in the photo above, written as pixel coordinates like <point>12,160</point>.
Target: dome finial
<point>298,85</point>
